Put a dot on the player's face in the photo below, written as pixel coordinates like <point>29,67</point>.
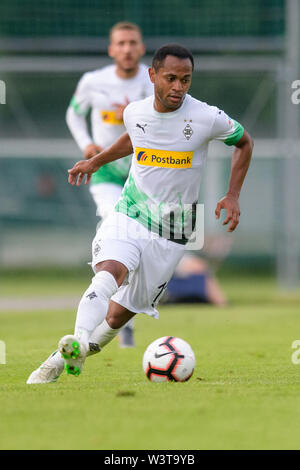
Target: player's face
<point>126,49</point>
<point>171,83</point>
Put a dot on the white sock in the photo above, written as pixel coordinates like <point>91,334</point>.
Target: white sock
<point>103,334</point>
<point>97,333</point>
<point>92,308</point>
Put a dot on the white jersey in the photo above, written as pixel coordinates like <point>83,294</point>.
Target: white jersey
<point>99,91</point>
<point>170,150</point>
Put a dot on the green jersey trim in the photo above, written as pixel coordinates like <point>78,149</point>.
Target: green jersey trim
<point>107,174</point>
<point>236,135</point>
<point>133,203</point>
<point>113,172</point>
<point>76,107</point>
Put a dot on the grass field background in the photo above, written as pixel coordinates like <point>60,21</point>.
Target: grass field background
<point>244,394</point>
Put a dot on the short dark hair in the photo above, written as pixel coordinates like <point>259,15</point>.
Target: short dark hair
<point>171,49</point>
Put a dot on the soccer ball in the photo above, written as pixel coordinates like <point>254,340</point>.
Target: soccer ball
<point>169,359</point>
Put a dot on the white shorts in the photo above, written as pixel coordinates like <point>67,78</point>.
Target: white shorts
<point>150,260</point>
<point>105,196</point>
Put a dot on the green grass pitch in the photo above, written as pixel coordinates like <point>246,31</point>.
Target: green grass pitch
<point>244,394</point>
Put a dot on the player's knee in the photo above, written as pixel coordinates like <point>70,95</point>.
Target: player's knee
<point>114,321</point>
<point>117,316</point>
<point>116,269</point>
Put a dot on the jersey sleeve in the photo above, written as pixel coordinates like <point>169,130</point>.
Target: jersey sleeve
<point>226,129</point>
<point>76,114</point>
<point>126,117</point>
<point>78,127</point>
<point>80,101</point>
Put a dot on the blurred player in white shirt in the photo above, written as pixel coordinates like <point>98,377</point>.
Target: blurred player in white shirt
<point>105,93</point>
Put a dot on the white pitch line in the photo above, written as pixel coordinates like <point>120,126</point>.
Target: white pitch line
<point>27,304</point>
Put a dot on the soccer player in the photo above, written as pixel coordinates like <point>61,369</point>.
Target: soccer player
<point>137,248</point>
<point>106,92</point>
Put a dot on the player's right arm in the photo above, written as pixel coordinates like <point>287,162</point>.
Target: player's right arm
<point>76,118</point>
<point>121,148</point>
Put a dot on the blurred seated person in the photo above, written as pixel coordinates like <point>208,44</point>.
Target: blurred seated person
<point>193,282</point>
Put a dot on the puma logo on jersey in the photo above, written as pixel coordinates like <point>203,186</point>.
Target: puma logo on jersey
<point>164,158</point>
<point>141,127</point>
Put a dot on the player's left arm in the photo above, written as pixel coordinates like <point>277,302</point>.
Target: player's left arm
<point>239,166</point>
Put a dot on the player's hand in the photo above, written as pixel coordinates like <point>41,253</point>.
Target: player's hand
<point>91,150</point>
<point>79,170</point>
<point>232,207</point>
<point>120,108</point>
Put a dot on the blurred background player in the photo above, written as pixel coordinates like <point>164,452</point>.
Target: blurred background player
<point>195,278</point>
<point>194,282</point>
<point>105,93</point>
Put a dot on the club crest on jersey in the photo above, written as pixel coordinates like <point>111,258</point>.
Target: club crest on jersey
<point>163,158</point>
<point>188,132</point>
